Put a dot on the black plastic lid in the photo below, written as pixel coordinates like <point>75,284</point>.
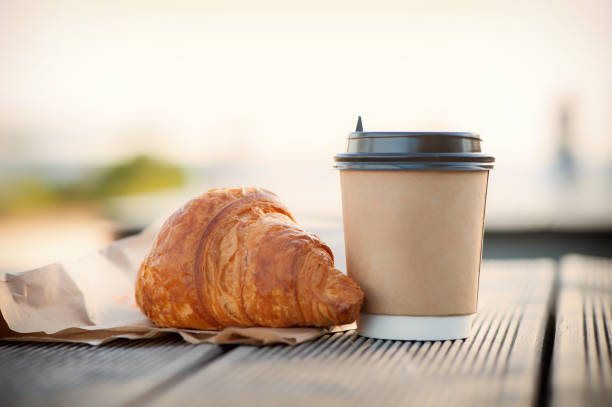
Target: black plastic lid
<point>369,150</point>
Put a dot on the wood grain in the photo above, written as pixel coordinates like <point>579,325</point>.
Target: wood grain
<point>60,374</point>
<point>582,357</point>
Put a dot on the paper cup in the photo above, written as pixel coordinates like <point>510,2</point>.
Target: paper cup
<point>413,228</point>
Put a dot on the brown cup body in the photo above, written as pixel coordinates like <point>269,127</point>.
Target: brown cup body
<point>414,239</point>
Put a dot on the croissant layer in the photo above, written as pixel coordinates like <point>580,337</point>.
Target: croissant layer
<point>236,257</point>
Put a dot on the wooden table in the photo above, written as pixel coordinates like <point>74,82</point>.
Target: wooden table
<point>542,336</point>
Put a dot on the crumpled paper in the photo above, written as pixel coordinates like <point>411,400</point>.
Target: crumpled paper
<point>91,300</point>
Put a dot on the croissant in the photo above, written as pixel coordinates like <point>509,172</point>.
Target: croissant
<point>236,257</point>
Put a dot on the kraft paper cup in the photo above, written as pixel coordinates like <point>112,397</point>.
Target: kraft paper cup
<point>413,228</point>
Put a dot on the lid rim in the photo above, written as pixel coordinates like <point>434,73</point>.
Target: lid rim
<point>413,157</point>
<point>410,166</point>
<point>383,134</point>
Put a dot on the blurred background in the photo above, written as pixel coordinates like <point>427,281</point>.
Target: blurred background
<point>113,113</point>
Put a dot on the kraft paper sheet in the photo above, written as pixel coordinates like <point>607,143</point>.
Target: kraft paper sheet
<point>91,300</point>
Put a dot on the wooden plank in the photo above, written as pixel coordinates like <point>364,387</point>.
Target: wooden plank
<point>50,374</point>
<point>582,357</point>
<point>499,364</point>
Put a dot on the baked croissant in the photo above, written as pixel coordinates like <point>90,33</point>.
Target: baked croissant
<point>236,257</point>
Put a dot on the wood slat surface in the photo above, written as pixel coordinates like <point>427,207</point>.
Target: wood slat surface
<point>60,374</point>
<point>499,364</point>
<point>582,358</point>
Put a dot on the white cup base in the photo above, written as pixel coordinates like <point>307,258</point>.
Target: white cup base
<point>400,327</point>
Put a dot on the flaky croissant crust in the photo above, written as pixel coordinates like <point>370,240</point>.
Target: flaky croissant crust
<point>236,257</point>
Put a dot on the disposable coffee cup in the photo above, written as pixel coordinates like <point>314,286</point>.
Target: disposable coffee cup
<point>413,206</point>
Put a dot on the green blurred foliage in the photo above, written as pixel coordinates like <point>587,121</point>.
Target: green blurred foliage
<point>138,175</point>
<point>27,193</point>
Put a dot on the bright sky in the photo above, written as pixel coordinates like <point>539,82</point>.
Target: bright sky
<point>215,81</point>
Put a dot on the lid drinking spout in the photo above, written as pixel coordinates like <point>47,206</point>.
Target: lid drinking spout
<point>359,125</point>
